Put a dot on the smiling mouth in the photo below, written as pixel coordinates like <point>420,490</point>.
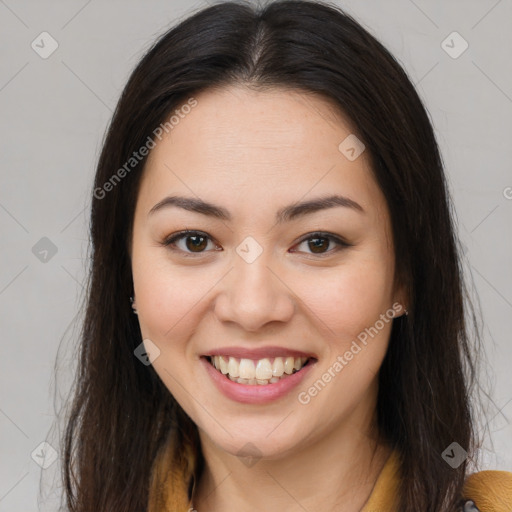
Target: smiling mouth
<point>264,371</point>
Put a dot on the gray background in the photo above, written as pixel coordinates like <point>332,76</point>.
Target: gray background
<point>54,113</point>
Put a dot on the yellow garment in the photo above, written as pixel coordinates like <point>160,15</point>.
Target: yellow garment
<point>385,491</point>
<point>491,491</point>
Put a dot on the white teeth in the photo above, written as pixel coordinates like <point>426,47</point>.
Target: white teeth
<point>288,365</point>
<point>260,372</point>
<point>251,382</point>
<point>223,365</point>
<point>278,367</point>
<point>264,369</point>
<point>247,369</point>
<point>233,367</point>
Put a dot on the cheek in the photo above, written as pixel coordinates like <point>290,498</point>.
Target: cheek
<point>168,297</point>
<point>350,297</point>
<point>353,312</point>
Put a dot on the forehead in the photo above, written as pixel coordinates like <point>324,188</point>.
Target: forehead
<point>271,146</point>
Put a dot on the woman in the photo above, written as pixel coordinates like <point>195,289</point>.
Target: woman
<point>271,199</point>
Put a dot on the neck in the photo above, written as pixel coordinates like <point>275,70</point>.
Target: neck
<point>337,471</point>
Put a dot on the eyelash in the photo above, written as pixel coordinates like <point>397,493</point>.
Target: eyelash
<point>170,241</point>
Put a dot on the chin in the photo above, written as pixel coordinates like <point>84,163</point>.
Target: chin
<point>257,442</point>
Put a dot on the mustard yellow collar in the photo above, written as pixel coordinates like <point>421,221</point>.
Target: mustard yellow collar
<point>491,491</point>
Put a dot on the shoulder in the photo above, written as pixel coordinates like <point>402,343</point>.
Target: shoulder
<point>490,491</point>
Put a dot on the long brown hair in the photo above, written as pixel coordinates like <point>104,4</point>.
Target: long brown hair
<point>122,417</point>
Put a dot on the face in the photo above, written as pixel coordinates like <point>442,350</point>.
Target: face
<point>260,280</point>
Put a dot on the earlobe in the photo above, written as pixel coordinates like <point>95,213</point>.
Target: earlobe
<point>399,310</point>
<point>132,300</point>
<point>400,303</point>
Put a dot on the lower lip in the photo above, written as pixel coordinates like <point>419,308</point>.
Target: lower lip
<point>257,393</point>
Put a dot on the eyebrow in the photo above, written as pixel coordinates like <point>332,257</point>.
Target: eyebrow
<point>286,214</point>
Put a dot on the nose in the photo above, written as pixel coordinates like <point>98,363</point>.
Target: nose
<point>253,295</point>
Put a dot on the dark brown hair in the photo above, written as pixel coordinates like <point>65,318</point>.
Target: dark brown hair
<point>121,413</point>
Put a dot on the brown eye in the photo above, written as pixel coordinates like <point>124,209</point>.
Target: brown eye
<point>318,243</point>
<point>195,242</point>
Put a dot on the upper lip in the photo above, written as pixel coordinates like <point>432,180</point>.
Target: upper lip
<point>257,353</point>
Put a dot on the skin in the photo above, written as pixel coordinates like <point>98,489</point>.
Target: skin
<point>253,153</point>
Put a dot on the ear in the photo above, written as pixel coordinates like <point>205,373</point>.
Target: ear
<point>132,300</point>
